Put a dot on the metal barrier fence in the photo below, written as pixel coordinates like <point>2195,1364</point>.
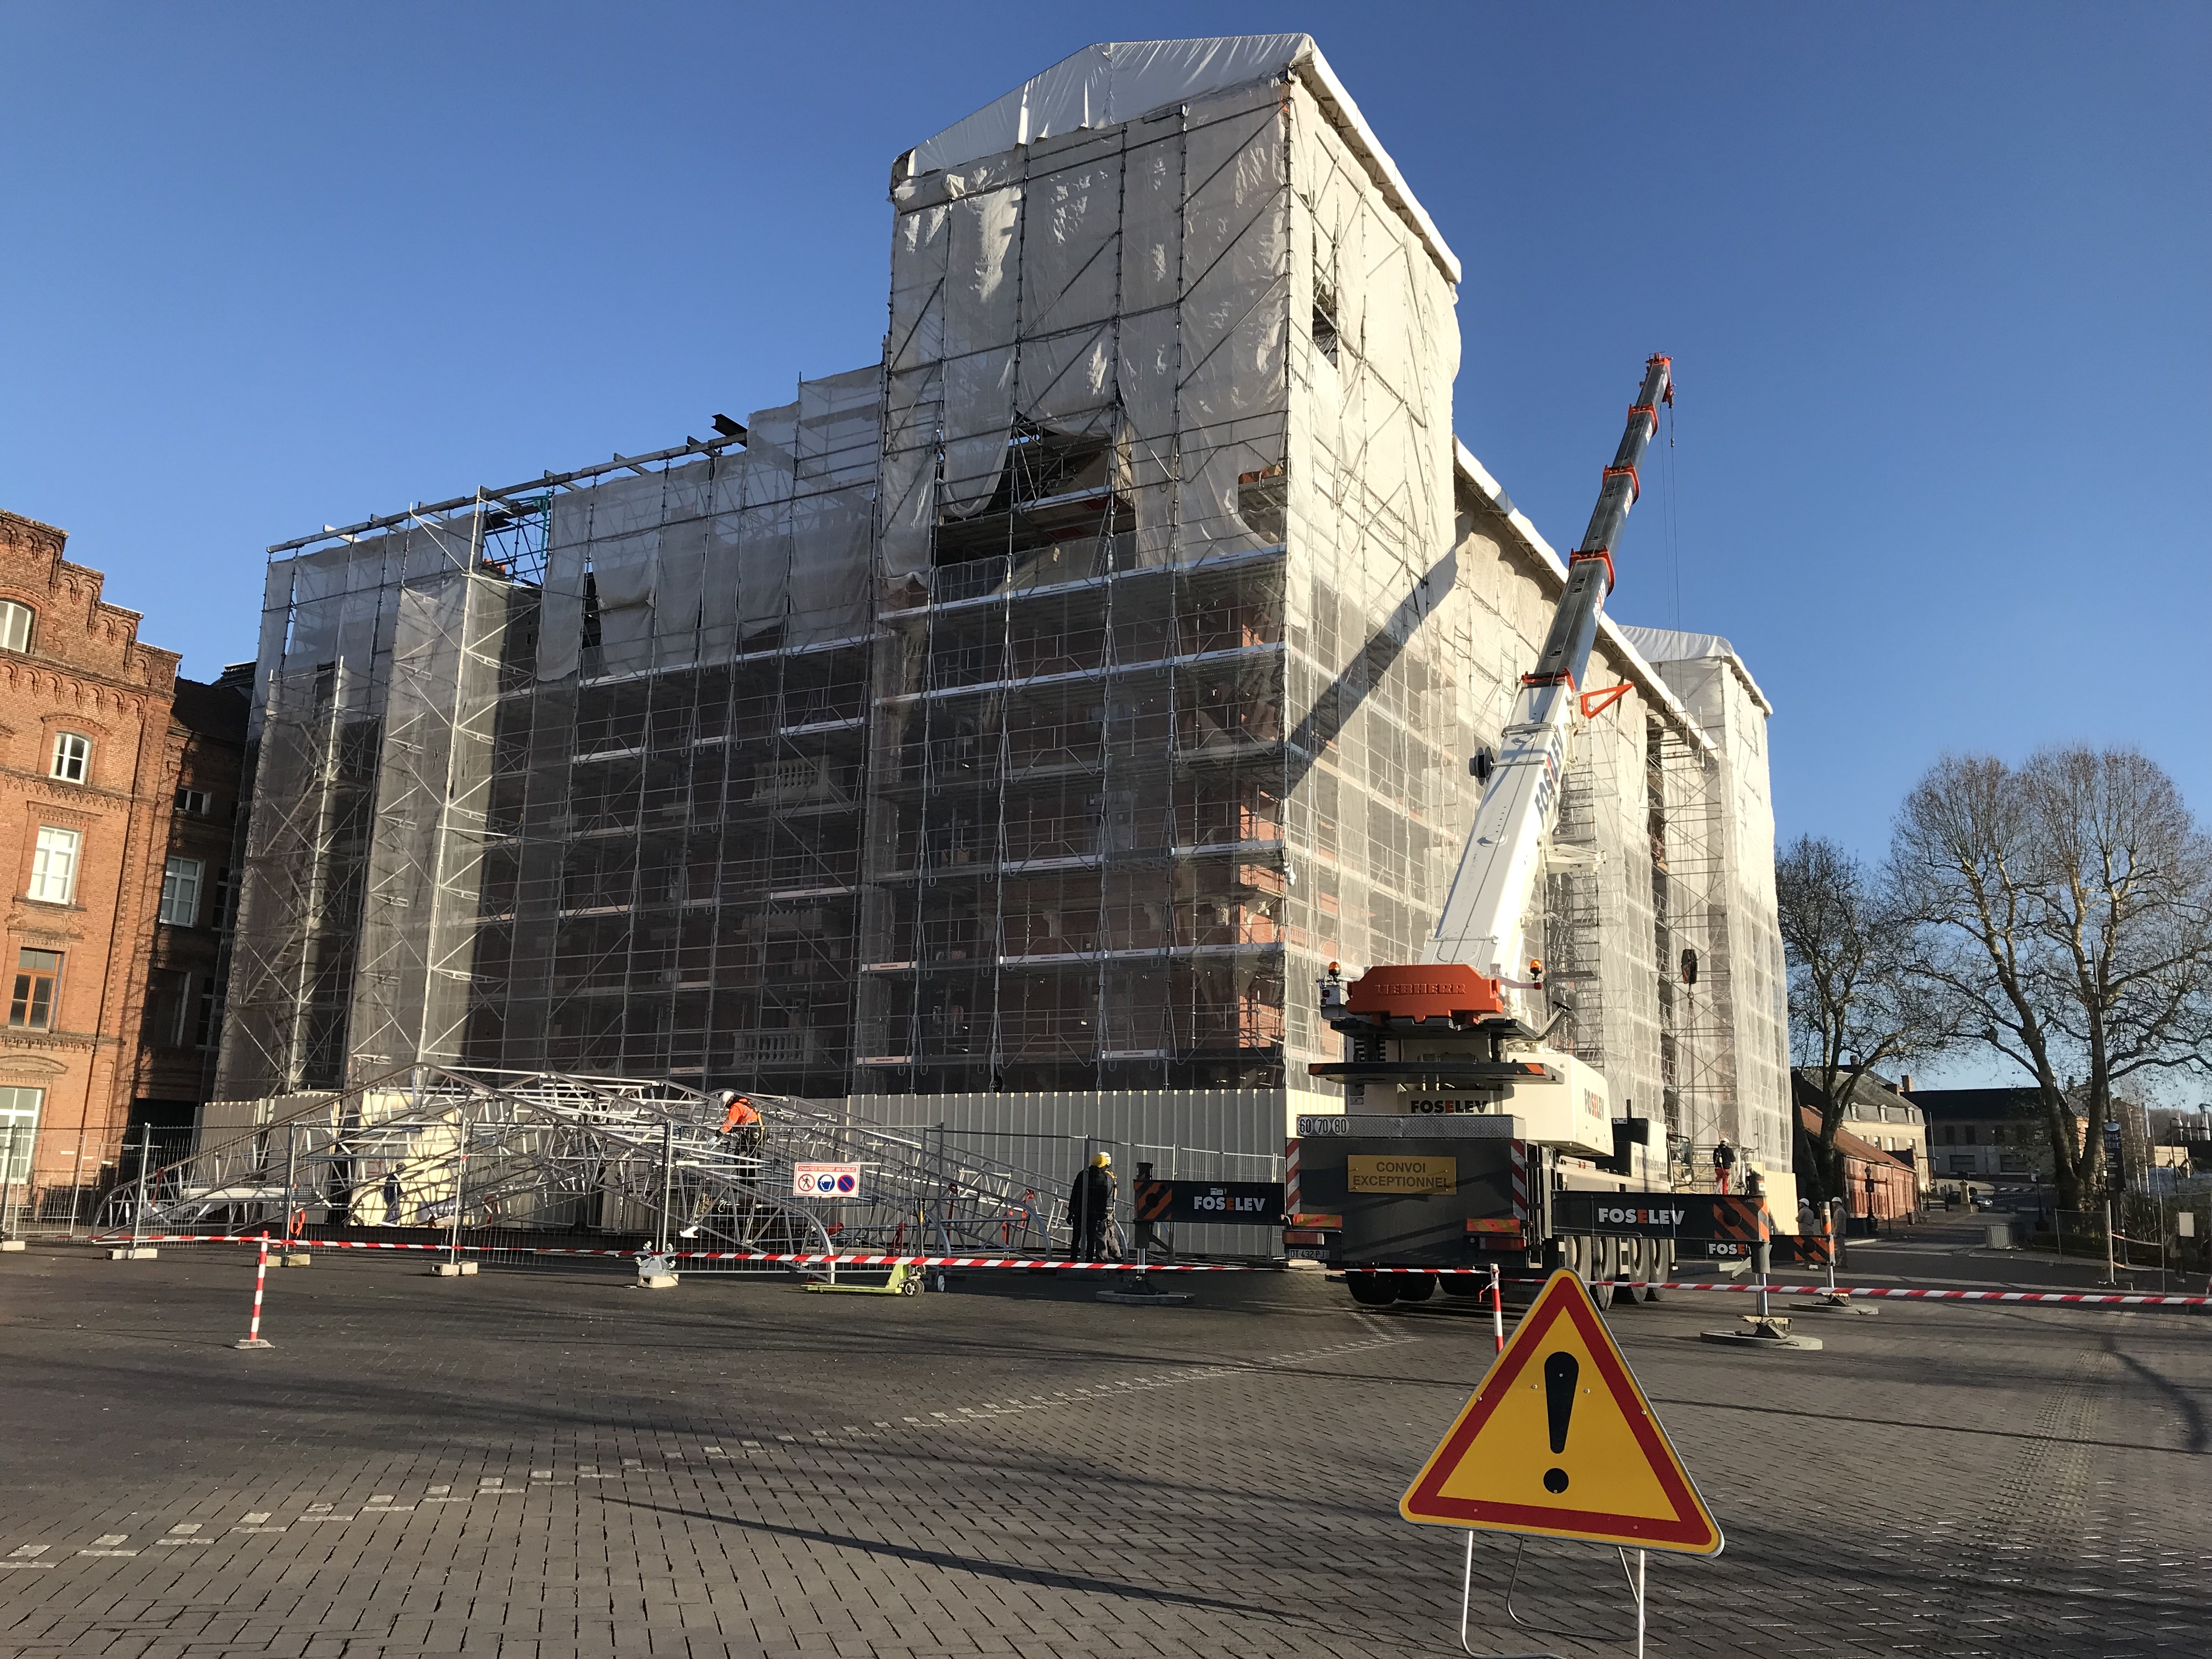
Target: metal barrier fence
<point>59,1184</point>
<point>496,1156</point>
<point>2167,1233</point>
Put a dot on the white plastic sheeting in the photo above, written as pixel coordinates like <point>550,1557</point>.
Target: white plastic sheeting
<point>1131,282</point>
<point>1660,644</point>
<point>1119,81</point>
<point>1108,82</point>
<point>689,564</point>
<point>418,924</point>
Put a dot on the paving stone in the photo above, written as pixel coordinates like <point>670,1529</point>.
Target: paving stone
<point>736,1468</point>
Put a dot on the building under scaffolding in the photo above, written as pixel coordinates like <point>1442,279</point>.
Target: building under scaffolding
<point>1003,736</point>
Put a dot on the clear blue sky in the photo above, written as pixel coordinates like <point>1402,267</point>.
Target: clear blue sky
<point>1935,278</point>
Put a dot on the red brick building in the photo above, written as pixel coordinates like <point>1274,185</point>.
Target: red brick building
<point>88,761</point>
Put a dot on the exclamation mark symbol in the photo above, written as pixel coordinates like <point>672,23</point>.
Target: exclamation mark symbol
<point>1560,1371</point>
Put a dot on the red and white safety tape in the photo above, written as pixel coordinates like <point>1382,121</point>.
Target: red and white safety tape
<point>791,1258</point>
<point>1909,1294</point>
<point>2092,1299</point>
<point>1906,1293</point>
<point>814,1258</point>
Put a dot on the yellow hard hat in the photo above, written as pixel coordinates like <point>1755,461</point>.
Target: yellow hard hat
<point>1099,1160</point>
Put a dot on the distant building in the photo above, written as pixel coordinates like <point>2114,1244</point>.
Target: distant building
<point>1878,1114</point>
<point>183,981</point>
<point>1876,1182</point>
<point>89,754</point>
<point>1988,1135</point>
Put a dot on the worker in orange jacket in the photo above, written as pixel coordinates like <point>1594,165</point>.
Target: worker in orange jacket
<point>741,1121</point>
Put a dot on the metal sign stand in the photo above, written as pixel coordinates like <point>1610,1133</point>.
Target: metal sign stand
<point>1475,1478</point>
<point>1467,1604</point>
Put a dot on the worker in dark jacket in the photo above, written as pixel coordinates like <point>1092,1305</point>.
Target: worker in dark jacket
<point>1091,1208</point>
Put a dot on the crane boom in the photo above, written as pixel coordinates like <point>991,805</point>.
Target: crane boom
<point>1480,925</point>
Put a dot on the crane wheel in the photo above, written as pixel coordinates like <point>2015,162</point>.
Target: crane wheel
<point>1416,1287</point>
<point>1465,1286</point>
<point>1662,1267</point>
<point>1372,1290</point>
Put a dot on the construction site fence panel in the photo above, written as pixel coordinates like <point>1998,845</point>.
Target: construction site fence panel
<point>63,1183</point>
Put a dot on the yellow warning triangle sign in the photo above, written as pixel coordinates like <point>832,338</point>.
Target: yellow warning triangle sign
<point>1560,1441</point>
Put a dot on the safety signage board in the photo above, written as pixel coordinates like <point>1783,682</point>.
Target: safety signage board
<point>1693,1218</point>
<point>825,1181</point>
<point>1368,1173</point>
<point>1252,1201</point>
<point>1559,1441</point>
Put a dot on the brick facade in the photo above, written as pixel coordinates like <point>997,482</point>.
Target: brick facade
<point>83,856</point>
<point>184,990</point>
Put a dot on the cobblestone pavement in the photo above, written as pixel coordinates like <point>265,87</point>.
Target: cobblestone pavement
<point>554,1464</point>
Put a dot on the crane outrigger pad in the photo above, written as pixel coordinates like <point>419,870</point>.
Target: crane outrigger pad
<point>904,1281</point>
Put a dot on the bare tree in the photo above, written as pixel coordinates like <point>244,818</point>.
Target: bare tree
<point>2065,908</point>
<point>1855,1004</point>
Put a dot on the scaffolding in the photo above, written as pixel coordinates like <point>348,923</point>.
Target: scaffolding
<point>477,1155</point>
<point>1032,714</point>
<point>1160,729</point>
<point>1691,945</point>
<point>1725,1054</point>
<point>567,776</point>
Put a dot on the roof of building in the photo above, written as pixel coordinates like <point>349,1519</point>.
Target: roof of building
<point>1956,1104</point>
<point>1671,645</point>
<point>1873,1090</point>
<point>1849,1144</point>
<point>211,711</point>
<point>1116,81</point>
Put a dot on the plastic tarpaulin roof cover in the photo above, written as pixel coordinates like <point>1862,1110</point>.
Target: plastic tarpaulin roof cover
<point>1111,82</point>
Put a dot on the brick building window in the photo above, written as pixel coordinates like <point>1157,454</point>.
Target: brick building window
<point>205,1025</point>
<point>14,626</point>
<point>33,1003</point>
<point>168,999</point>
<point>180,892</point>
<point>19,1131</point>
<point>72,756</point>
<point>196,803</point>
<point>53,866</point>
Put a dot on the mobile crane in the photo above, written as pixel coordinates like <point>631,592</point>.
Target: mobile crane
<point>1448,1154</point>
